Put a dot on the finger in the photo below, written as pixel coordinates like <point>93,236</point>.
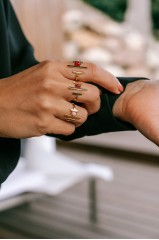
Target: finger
<point>92,73</point>
<point>87,94</point>
<point>70,112</point>
<point>58,126</point>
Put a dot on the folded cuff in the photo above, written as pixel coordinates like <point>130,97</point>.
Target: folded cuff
<point>104,121</point>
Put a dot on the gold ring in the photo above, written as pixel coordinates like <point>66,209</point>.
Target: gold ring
<point>72,116</point>
<point>77,87</point>
<point>77,74</point>
<point>76,90</point>
<point>76,64</point>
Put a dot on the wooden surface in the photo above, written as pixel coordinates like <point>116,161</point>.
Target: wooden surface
<point>42,23</point>
<point>128,207</point>
<point>128,140</point>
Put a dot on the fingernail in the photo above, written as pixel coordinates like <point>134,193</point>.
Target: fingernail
<point>120,88</point>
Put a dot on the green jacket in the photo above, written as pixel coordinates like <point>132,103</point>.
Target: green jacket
<point>16,54</point>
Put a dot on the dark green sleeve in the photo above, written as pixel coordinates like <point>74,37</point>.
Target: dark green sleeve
<point>103,121</point>
<point>22,54</point>
<point>16,54</point>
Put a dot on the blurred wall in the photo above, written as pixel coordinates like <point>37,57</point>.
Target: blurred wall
<point>41,21</point>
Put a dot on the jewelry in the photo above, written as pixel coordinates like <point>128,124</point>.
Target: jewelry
<point>73,110</point>
<point>78,90</point>
<point>76,64</point>
<point>72,117</point>
<point>77,87</point>
<point>77,74</point>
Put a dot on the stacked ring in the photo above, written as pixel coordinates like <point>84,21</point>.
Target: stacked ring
<point>72,116</point>
<point>76,64</point>
<point>77,85</point>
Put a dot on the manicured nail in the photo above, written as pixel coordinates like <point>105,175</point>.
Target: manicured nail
<point>120,88</point>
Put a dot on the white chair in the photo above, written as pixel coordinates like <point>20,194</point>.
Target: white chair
<point>45,170</point>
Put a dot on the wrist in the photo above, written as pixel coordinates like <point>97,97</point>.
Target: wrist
<point>125,105</point>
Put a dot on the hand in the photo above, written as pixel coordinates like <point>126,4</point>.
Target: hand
<point>139,106</point>
<point>34,102</point>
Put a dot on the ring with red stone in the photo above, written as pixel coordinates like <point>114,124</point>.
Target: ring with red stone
<point>76,64</point>
<point>77,87</point>
<point>77,90</point>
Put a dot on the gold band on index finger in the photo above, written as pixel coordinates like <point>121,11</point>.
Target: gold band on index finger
<point>77,90</point>
<point>77,74</point>
<point>76,64</point>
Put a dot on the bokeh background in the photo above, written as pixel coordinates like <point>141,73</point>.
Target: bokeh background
<point>123,37</point>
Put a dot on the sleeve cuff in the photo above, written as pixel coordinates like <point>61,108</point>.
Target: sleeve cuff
<point>103,121</point>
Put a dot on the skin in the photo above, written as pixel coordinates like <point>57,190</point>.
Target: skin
<point>34,102</point>
<point>138,105</point>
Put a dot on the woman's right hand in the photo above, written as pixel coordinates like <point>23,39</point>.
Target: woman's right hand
<point>35,101</point>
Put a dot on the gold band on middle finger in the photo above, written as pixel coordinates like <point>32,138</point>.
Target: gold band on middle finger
<point>77,90</point>
<point>77,74</point>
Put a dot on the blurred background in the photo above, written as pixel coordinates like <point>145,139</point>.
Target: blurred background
<point>123,37</point>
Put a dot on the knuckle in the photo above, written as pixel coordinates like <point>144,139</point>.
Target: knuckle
<point>46,83</point>
<point>44,104</point>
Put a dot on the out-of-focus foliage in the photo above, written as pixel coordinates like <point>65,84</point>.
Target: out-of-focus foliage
<point>116,9</point>
<point>155,13</point>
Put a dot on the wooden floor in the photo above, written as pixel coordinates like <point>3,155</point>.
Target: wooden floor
<point>128,207</point>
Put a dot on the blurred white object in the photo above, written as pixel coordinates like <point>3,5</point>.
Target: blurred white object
<point>45,170</point>
<point>97,54</point>
<point>114,69</point>
<point>113,29</point>
<point>62,171</point>
<point>138,15</point>
<point>21,181</point>
<point>72,20</point>
<point>152,58</point>
<point>70,50</point>
<point>134,41</point>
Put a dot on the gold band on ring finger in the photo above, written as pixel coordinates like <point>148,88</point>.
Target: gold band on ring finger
<point>72,117</point>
